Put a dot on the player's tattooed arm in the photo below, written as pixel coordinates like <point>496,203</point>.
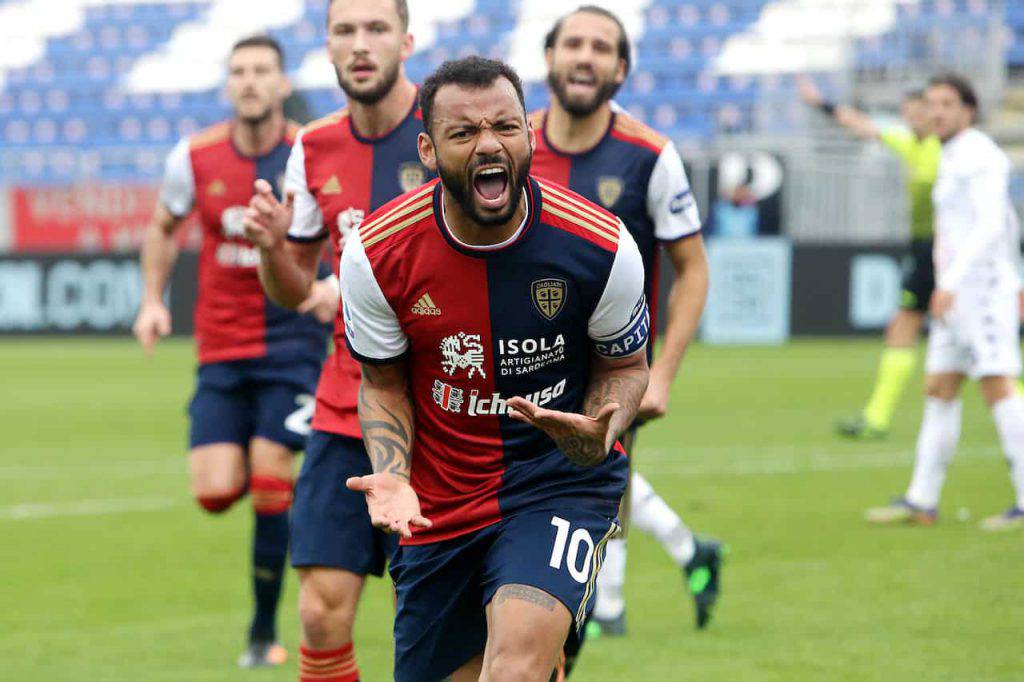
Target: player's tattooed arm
<point>609,407</point>
<point>385,416</point>
<point>620,381</point>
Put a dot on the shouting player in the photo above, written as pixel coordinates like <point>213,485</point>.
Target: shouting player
<point>919,151</point>
<point>585,143</point>
<point>501,325</point>
<point>258,363</point>
<point>342,168</point>
<point>974,307</point>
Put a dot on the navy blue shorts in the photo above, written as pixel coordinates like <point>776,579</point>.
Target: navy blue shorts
<point>330,523</point>
<point>443,587</point>
<point>239,399</point>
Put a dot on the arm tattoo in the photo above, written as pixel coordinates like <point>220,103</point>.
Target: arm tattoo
<point>581,451</point>
<point>387,434</point>
<point>527,594</point>
<point>622,385</point>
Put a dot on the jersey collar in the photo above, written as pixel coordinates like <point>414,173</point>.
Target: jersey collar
<point>532,192</point>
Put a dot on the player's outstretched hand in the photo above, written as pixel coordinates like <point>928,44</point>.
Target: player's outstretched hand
<point>392,503</point>
<point>322,301</point>
<point>267,220</point>
<point>585,440</point>
<point>153,321</point>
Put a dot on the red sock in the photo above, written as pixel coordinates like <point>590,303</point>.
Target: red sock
<point>270,495</point>
<point>333,665</point>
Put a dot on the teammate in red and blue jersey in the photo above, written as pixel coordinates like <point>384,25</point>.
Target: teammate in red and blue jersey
<point>258,363</point>
<point>501,326</point>
<point>591,146</point>
<point>342,168</point>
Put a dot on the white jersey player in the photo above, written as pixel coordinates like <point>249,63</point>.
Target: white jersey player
<point>974,308</point>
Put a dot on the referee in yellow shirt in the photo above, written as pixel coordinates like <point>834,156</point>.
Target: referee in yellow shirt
<point>919,151</point>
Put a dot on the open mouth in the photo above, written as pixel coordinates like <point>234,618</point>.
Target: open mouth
<point>363,70</point>
<point>581,81</point>
<point>491,186</point>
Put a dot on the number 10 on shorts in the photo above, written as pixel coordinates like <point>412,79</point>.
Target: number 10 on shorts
<point>580,536</point>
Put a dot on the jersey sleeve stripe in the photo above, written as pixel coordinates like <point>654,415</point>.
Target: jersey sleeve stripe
<point>607,227</point>
<point>588,212</point>
<point>382,223</point>
<point>308,240</point>
<point>582,223</point>
<point>412,220</point>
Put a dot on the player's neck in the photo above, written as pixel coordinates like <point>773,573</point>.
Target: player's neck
<point>257,139</point>
<point>575,134</point>
<point>377,120</point>
<point>471,233</point>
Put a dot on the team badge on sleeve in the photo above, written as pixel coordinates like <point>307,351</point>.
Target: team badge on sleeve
<point>609,189</point>
<point>549,296</point>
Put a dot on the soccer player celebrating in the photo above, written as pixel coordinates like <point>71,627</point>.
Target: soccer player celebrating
<point>258,363</point>
<point>610,158</point>
<point>502,328</point>
<point>919,151</point>
<point>974,307</point>
<point>342,168</point>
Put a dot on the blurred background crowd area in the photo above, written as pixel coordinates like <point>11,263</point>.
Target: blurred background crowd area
<point>93,93</point>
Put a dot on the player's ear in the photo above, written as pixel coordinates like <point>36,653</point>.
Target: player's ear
<point>533,134</point>
<point>428,155</point>
<point>549,57</point>
<point>286,87</point>
<point>408,45</point>
<point>620,72</point>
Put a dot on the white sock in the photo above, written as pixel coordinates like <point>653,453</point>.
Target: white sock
<point>649,513</point>
<point>936,443</point>
<point>1009,417</point>
<point>609,603</point>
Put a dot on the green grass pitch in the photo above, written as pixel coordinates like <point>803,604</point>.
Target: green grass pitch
<point>110,572</point>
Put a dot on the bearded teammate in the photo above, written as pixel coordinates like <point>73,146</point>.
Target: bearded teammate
<point>342,168</point>
<point>975,307</point>
<point>591,147</point>
<point>258,363</point>
<point>919,151</point>
<point>535,293</point>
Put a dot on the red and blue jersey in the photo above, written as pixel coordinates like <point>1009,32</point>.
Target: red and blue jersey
<point>339,177</point>
<point>234,320</point>
<point>634,172</point>
<point>480,325</point>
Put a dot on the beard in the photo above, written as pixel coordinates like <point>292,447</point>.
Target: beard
<point>257,119</point>
<point>460,187</point>
<point>370,97</point>
<point>605,91</point>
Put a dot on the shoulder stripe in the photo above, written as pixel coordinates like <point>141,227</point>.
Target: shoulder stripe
<point>576,220</point>
<point>630,127</point>
<point>327,120</point>
<point>212,135</point>
<point>551,202</point>
<point>411,220</point>
<point>589,212</point>
<point>418,199</point>
<point>570,203</point>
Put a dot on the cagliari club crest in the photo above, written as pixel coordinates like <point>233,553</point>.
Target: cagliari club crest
<point>549,296</point>
<point>411,175</point>
<point>609,189</point>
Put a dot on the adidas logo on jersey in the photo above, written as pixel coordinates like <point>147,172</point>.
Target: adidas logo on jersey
<point>425,306</point>
<point>332,186</point>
